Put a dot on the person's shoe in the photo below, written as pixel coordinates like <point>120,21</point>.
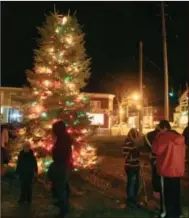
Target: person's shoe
<point>160,216</point>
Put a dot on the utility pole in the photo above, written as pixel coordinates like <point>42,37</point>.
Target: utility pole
<point>166,74</point>
<point>141,85</point>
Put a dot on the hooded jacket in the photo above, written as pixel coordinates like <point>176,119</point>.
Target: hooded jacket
<point>169,148</point>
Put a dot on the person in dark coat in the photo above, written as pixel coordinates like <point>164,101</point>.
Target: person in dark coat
<point>4,156</point>
<point>26,170</point>
<point>4,160</point>
<point>62,165</point>
<point>149,138</point>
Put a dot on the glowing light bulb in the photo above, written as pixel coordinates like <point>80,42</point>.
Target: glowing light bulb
<point>76,70</point>
<point>46,83</point>
<point>44,114</point>
<point>57,30</point>
<point>38,108</point>
<point>84,131</point>
<point>70,131</point>
<point>44,70</point>
<point>71,85</point>
<point>69,40</point>
<point>64,20</point>
<point>51,50</point>
<point>35,92</point>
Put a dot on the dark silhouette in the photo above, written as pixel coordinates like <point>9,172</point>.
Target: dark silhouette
<point>26,170</point>
<point>149,138</point>
<point>60,169</point>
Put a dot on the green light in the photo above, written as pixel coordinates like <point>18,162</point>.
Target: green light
<point>68,79</point>
<point>44,114</point>
<point>171,94</point>
<point>81,114</point>
<point>76,122</point>
<point>84,98</point>
<point>34,103</point>
<point>69,103</point>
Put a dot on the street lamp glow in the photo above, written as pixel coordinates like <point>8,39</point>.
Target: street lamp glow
<point>135,97</point>
<point>138,107</point>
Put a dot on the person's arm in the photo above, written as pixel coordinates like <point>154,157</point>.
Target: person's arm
<point>142,145</point>
<point>6,156</point>
<point>19,163</point>
<point>35,164</point>
<point>159,145</point>
<point>125,149</point>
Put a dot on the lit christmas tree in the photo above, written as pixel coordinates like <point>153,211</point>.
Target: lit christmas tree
<point>61,70</point>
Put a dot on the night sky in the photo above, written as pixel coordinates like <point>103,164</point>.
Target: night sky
<point>113,31</point>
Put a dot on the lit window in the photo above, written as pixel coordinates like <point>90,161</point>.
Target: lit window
<point>96,119</point>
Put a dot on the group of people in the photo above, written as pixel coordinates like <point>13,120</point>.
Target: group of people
<point>167,149</point>
<point>58,172</point>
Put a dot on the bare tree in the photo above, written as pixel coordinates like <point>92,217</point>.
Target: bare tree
<point>121,84</point>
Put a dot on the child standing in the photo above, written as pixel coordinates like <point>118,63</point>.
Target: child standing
<point>26,169</point>
<point>132,167</point>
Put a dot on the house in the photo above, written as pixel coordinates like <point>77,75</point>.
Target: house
<point>8,113</point>
<point>180,116</point>
<point>101,107</point>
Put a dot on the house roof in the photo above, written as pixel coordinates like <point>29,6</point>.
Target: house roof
<point>97,95</point>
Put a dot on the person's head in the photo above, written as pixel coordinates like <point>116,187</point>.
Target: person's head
<point>164,125</point>
<point>133,134</point>
<point>59,129</point>
<point>26,147</point>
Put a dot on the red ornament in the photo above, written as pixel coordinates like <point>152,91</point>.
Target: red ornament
<point>77,100</point>
<point>70,131</point>
<point>57,84</point>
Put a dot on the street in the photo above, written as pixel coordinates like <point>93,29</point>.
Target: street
<point>97,193</point>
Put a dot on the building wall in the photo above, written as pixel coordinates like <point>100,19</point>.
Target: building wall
<point>181,111</point>
<point>158,113</point>
<point>101,105</point>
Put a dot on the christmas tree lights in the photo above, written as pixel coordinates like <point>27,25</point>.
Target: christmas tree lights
<point>61,70</point>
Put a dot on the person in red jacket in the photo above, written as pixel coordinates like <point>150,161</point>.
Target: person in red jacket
<point>169,148</point>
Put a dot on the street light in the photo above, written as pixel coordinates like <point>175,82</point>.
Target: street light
<point>135,97</point>
<point>138,107</point>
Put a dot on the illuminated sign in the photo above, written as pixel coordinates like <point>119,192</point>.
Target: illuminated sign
<point>96,119</point>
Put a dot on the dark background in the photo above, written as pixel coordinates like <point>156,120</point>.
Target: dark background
<point>113,31</point>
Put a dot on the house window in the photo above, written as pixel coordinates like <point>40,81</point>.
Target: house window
<point>96,119</point>
<point>95,104</point>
